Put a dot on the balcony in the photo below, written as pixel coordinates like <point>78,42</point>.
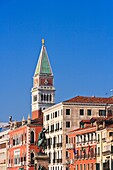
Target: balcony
<point>87,142</point>
<point>108,149</point>
<point>104,139</point>
<point>106,153</point>
<point>109,139</point>
<point>69,146</point>
<point>85,156</point>
<point>2,161</point>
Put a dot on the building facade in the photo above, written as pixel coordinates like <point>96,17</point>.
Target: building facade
<point>43,91</point>
<point>4,139</point>
<point>64,116</point>
<point>81,147</point>
<point>105,144</point>
<point>22,148</point>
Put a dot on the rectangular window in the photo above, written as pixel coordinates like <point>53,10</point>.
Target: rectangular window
<point>84,138</point>
<point>89,112</point>
<point>67,111</point>
<point>74,140</point>
<point>92,166</point>
<point>77,154</point>
<point>109,112</point>
<point>66,154</point>
<point>58,126</point>
<point>25,158</point>
<point>66,138</point>
<point>68,124</point>
<point>98,137</point>
<point>61,111</point>
<point>80,154</point>
<point>55,114</point>
<point>77,139</point>
<point>88,167</point>
<point>35,98</point>
<point>80,166</point>
<point>102,112</point>
<point>84,166</point>
<point>98,150</point>
<point>81,112</point>
<point>47,117</point>
<point>91,136</point>
<point>3,145</point>
<point>110,133</point>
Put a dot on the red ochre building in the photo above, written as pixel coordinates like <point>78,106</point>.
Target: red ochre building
<point>22,149</point>
<point>81,146</point>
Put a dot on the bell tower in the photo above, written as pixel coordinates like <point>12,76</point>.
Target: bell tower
<point>43,91</point>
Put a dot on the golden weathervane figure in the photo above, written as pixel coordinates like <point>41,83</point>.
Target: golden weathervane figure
<point>43,41</point>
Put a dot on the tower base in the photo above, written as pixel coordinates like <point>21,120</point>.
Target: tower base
<point>41,161</point>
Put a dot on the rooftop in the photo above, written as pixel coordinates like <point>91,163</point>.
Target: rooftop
<point>43,65</point>
<point>93,99</point>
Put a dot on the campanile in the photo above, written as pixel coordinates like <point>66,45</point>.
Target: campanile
<point>43,91</point>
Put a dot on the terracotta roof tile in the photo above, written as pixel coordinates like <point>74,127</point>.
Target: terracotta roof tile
<point>84,99</point>
<point>80,129</point>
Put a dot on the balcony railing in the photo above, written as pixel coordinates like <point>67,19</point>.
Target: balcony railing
<point>108,149</point>
<point>85,156</point>
<point>109,139</point>
<point>104,139</point>
<point>86,142</point>
<point>69,146</point>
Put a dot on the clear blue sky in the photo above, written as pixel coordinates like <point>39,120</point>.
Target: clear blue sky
<point>79,41</point>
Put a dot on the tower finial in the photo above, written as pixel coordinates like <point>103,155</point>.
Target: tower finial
<point>43,41</point>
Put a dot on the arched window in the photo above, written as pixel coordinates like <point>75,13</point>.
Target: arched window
<point>50,97</point>
<point>17,142</point>
<point>13,142</point>
<point>32,137</point>
<point>47,97</point>
<point>92,151</point>
<point>41,97</point>
<point>49,157</point>
<point>44,97</point>
<point>32,158</point>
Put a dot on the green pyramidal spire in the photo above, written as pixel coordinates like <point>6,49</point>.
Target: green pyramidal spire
<point>43,65</point>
